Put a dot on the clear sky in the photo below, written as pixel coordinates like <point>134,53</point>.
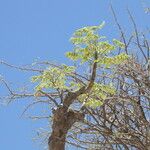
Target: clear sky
<point>40,29</point>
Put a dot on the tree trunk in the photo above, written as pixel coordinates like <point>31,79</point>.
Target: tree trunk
<point>63,120</point>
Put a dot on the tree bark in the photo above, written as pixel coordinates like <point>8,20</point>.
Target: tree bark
<point>63,120</point>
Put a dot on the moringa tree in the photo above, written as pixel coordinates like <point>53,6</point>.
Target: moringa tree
<point>72,91</point>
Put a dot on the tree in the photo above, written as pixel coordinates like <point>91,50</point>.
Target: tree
<point>102,100</point>
<point>62,87</point>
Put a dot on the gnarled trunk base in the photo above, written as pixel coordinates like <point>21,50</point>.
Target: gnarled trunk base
<point>63,120</point>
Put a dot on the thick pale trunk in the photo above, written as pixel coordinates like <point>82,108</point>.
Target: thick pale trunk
<point>63,120</point>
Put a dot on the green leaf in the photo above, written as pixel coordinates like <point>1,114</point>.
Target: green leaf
<point>118,43</point>
<point>94,103</point>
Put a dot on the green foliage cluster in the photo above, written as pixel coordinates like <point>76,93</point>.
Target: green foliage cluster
<point>97,95</point>
<point>86,42</point>
<point>54,78</point>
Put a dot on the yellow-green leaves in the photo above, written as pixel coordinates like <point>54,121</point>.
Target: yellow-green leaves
<point>87,31</point>
<point>109,61</point>
<point>73,55</point>
<point>68,69</point>
<point>105,47</point>
<point>94,103</point>
<point>97,95</point>
<point>118,43</point>
<point>53,78</point>
<point>87,40</point>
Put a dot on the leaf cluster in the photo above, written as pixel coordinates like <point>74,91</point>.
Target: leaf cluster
<point>86,43</point>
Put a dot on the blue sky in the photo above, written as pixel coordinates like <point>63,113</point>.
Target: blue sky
<point>40,29</point>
